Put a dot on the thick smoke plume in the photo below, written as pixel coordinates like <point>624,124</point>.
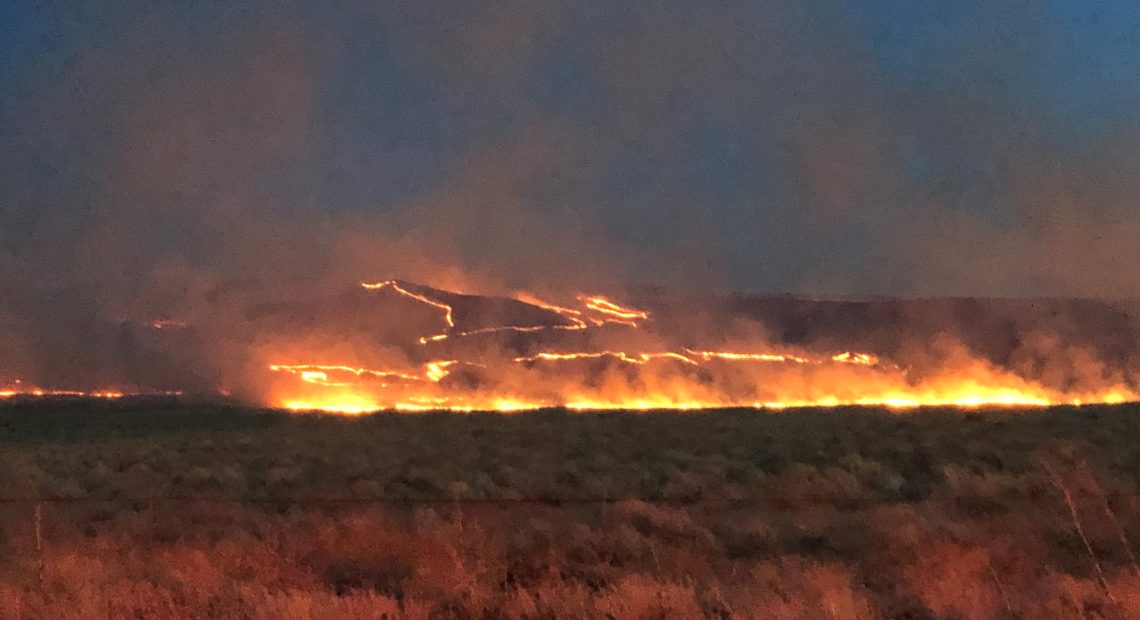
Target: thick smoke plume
<point>171,177</point>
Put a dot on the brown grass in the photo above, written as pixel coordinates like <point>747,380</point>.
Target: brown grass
<point>1029,517</point>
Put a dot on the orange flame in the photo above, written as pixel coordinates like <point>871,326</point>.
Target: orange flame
<point>652,378</point>
<point>842,379</point>
<point>319,373</point>
<point>18,389</point>
<point>611,313</point>
<point>420,298</point>
<point>629,358</point>
<point>749,357</point>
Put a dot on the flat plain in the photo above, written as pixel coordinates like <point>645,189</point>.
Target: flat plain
<point>111,510</point>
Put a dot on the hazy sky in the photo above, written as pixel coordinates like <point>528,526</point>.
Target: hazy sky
<point>967,147</point>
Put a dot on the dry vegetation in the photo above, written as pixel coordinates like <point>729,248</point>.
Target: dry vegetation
<point>216,512</point>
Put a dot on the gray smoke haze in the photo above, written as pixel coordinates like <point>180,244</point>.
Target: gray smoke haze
<point>160,161</point>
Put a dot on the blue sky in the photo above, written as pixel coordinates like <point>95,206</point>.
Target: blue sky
<point>832,147</point>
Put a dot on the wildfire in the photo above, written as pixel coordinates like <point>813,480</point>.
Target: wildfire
<point>859,359</point>
<point>617,313</point>
<point>13,393</point>
<point>18,389</point>
<point>593,352</point>
<point>574,316</point>
<point>732,356</point>
<point>679,377</point>
<point>319,373</point>
<point>607,311</point>
<point>436,371</point>
<point>629,358</point>
<point>395,286</point>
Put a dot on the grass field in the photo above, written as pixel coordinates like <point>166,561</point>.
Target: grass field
<point>116,510</point>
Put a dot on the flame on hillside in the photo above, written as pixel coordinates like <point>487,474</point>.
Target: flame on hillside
<point>541,370</point>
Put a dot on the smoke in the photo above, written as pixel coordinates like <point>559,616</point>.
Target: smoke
<point>196,163</point>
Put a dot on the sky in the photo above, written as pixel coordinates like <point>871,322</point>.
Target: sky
<point>153,152</point>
